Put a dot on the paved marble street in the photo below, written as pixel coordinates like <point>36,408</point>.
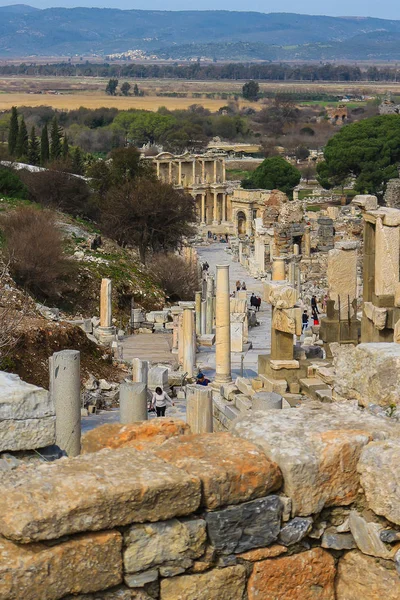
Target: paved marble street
<point>156,347</point>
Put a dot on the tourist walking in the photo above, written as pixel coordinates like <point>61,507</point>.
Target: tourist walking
<point>253,300</point>
<point>238,284</point>
<point>159,401</point>
<point>314,305</point>
<point>244,285</point>
<point>258,301</point>
<point>304,319</point>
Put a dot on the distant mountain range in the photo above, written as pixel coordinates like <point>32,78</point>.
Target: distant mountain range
<point>27,32</point>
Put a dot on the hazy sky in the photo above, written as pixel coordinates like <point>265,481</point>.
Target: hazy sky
<point>386,9</point>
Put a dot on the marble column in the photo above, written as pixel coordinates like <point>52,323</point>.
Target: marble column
<point>170,172</point>
<point>132,402</point>
<point>179,173</point>
<point>194,172</point>
<point>215,171</point>
<point>292,272</point>
<point>189,355</point>
<point>223,172</point>
<point>215,210</point>
<point>158,169</point>
<point>222,327</point>
<point>249,219</point>
<point>203,209</point>
<point>278,269</point>
<point>224,219</point>
<point>199,409</point>
<point>106,303</point>
<point>296,249</point>
<point>204,317</point>
<point>65,390</point>
<point>307,241</point>
<point>198,312</point>
<point>203,172</point>
<point>140,369</point>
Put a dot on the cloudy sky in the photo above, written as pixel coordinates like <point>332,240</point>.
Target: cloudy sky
<point>386,9</point>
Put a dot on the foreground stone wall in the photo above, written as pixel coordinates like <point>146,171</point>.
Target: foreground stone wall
<point>287,506</point>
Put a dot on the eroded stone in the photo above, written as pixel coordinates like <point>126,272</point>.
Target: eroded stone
<point>364,577</point>
<point>216,584</point>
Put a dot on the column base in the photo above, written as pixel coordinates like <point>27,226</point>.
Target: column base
<point>215,222</point>
<point>221,379</point>
<point>105,335</point>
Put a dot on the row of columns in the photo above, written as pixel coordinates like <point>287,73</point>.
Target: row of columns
<point>223,213</point>
<point>215,177</point>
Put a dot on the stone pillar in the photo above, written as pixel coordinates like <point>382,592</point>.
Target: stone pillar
<point>179,173</point>
<point>278,268</point>
<point>292,272</point>
<point>210,305</point>
<point>140,369</point>
<point>342,277</point>
<point>189,354</point>
<point>132,402</point>
<point>170,172</point>
<point>223,171</point>
<point>298,280</point>
<point>180,339</point>
<point>106,303</point>
<point>203,171</point>
<point>222,327</point>
<point>203,209</point>
<point>215,171</point>
<point>65,389</point>
<point>224,207</point>
<point>158,169</point>
<point>387,243</point>
<point>307,241</point>
<point>249,219</point>
<point>204,317</point>
<point>215,209</point>
<point>198,312</point>
<point>194,172</point>
<point>296,249</point>
<point>199,409</point>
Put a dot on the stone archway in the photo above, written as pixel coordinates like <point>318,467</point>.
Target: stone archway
<point>241,223</point>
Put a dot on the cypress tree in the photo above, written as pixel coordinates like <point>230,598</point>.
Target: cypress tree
<point>65,146</point>
<point>55,140</point>
<point>44,146</point>
<point>77,161</point>
<point>34,149</point>
<point>22,140</point>
<point>13,132</point>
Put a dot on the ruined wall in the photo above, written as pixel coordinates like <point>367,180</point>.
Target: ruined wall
<point>277,509</point>
<point>392,194</point>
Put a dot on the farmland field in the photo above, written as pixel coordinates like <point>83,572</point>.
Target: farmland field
<point>73,92</point>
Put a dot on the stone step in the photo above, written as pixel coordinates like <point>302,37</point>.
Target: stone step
<point>309,386</point>
<point>274,385</point>
<point>324,395</point>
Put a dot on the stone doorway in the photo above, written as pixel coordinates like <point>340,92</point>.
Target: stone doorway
<point>241,223</point>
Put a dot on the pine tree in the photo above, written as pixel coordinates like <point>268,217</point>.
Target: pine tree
<point>77,161</point>
<point>22,140</point>
<point>65,147</point>
<point>34,149</point>
<point>44,146</point>
<point>13,132</point>
<point>55,140</point>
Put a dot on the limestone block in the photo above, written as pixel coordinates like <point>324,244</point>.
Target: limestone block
<point>27,415</point>
<point>279,295</point>
<point>237,337</point>
<point>230,470</point>
<point>141,435</point>
<point>396,332</point>
<point>238,317</point>
<point>92,492</point>
<point>366,201</point>
<point>375,314</point>
<point>342,279</point>
<point>228,390</point>
<point>274,385</point>
<point>82,564</point>
<point>379,468</point>
<point>243,527</point>
<point>158,376</point>
<point>391,216</point>
<point>242,403</point>
<point>266,401</point>
<point>386,258</point>
<point>175,542</point>
<point>277,365</point>
<point>287,320</point>
<point>317,450</point>
<point>244,386</point>
<point>207,339</point>
<point>397,295</point>
<point>368,373</point>
<point>306,576</point>
<point>237,305</point>
<point>216,584</point>
<point>363,577</point>
<point>366,535</point>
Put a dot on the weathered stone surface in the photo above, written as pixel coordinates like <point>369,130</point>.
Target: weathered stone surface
<point>230,470</point>
<point>375,314</point>
<point>93,492</point>
<point>369,374</point>
<point>142,435</point>
<point>295,530</point>
<point>362,577</point>
<point>389,536</point>
<point>287,320</point>
<point>27,415</point>
<point>83,564</point>
<point>138,580</point>
<point>333,540</point>
<point>379,467</point>
<point>173,541</point>
<point>263,553</point>
<point>387,242</point>
<point>117,593</point>
<point>317,450</point>
<point>218,584</point>
<point>365,201</point>
<point>366,535</point>
<point>306,576</point>
<point>244,386</point>
<point>342,279</point>
<point>244,527</point>
<point>279,295</point>
<point>266,401</point>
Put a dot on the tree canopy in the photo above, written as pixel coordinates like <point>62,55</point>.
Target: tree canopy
<point>250,90</point>
<point>274,173</point>
<point>368,150</point>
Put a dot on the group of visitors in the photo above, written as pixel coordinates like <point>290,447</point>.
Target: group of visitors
<point>255,301</point>
<point>160,399</point>
<point>314,314</point>
<point>240,286</point>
